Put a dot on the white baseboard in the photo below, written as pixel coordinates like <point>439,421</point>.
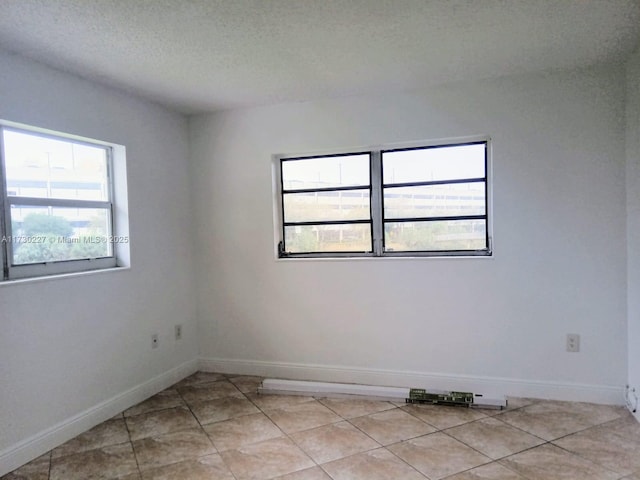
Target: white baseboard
<point>488,386</point>
<point>40,443</point>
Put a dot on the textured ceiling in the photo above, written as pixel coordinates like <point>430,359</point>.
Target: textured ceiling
<point>204,55</point>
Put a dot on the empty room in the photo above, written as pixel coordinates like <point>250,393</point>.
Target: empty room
<point>320,239</point>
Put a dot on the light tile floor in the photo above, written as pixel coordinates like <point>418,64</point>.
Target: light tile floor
<point>216,427</point>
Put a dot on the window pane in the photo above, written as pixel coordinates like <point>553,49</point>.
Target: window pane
<point>323,206</point>
<point>328,238</point>
<point>51,234</point>
<point>435,200</point>
<point>326,172</point>
<point>54,168</point>
<point>435,236</point>
<point>431,164</point>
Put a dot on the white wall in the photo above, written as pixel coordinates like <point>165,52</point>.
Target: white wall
<point>633,220</point>
<point>74,350</point>
<point>500,323</point>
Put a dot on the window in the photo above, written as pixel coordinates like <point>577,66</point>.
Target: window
<point>428,200</point>
<point>57,197</point>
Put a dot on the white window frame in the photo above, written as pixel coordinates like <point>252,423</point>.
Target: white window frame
<point>118,239</point>
<point>376,201</point>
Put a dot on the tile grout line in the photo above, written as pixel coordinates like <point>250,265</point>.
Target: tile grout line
<point>380,446</point>
<point>342,419</point>
<point>519,428</point>
<point>50,462</point>
<point>407,463</point>
<point>334,423</point>
<point>202,428</point>
<point>135,456</point>
<point>494,459</point>
<point>438,430</point>
<point>551,442</point>
<point>560,437</point>
<point>545,443</point>
<point>591,461</point>
<point>288,436</point>
<point>385,447</point>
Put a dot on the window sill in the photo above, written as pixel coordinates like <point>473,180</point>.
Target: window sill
<point>385,258</point>
<point>47,278</point>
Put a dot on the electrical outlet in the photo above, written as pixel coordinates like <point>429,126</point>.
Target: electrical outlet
<point>154,340</point>
<point>573,342</point>
<point>178,332</point>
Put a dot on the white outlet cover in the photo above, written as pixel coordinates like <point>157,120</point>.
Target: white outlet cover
<point>573,342</point>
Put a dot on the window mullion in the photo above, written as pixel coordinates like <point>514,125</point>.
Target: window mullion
<point>4,212</point>
<point>376,202</point>
<point>111,194</point>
